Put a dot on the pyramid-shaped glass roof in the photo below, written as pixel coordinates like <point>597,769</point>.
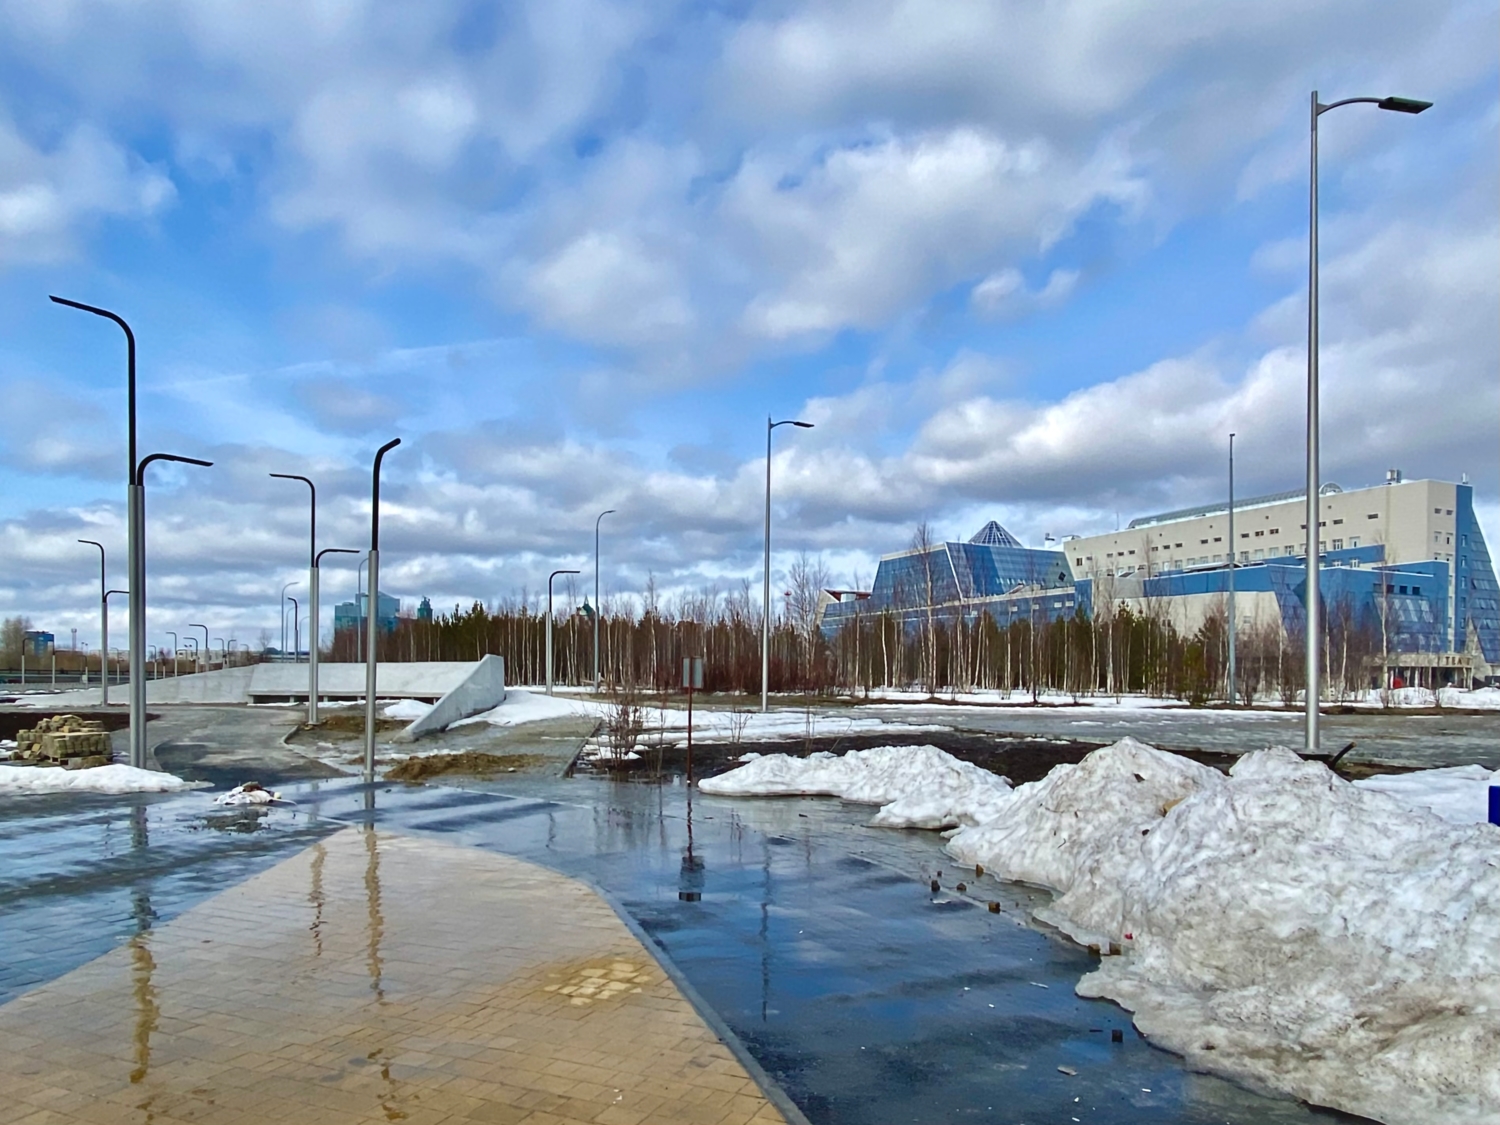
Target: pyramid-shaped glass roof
<point>993,535</point>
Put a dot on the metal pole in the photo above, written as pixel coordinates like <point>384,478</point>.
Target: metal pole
<point>372,622</point>
<point>1312,615</point>
<point>296,631</point>
<point>765,600</point>
<point>207,651</point>
<point>136,548</point>
<point>1232,549</point>
<point>103,623</point>
<point>596,596</point>
<point>136,563</point>
<point>312,645</point>
<point>281,606</point>
<point>176,644</point>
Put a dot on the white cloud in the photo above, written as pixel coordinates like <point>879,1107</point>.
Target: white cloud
<point>47,192</point>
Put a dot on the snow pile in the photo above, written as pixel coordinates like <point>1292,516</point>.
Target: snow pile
<point>1460,794</point>
<point>1280,925</point>
<point>1080,827</point>
<point>1478,699</point>
<point>99,779</point>
<point>917,786</point>
<point>522,706</point>
<point>412,709</point>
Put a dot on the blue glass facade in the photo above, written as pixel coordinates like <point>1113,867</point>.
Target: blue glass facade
<point>990,573</point>
<point>1476,596</point>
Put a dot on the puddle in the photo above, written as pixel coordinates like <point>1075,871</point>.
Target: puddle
<point>868,996</point>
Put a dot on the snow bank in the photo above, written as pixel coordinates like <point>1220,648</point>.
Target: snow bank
<point>99,779</point>
<point>522,706</point>
<point>1333,941</point>
<point>1479,699</point>
<point>1279,925</point>
<point>917,786</point>
<point>412,709</point>
<point>1459,794</point>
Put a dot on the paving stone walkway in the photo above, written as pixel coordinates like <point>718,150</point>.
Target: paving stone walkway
<point>375,978</point>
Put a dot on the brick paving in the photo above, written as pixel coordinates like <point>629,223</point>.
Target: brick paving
<point>375,978</point>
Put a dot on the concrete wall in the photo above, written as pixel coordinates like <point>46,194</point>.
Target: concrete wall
<point>483,689</point>
<point>266,682</point>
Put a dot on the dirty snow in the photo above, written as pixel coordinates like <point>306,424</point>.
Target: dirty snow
<point>1279,925</point>
<point>1460,794</point>
<point>251,793</point>
<point>916,786</point>
<point>98,779</point>
<point>1478,699</point>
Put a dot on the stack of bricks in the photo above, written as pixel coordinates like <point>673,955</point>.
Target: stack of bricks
<point>65,739</point>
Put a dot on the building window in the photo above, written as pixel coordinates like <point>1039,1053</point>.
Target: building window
<point>1373,516</point>
<point>1403,590</point>
<point>1178,545</point>
<point>1354,542</point>
<point>1244,556</point>
<point>1218,539</point>
<point>1416,590</point>
<point>1338,544</point>
<point>1258,534</point>
<point>1337,522</point>
<point>1260,554</point>
<point>1448,512</point>
<point>1203,542</point>
<point>1437,511</point>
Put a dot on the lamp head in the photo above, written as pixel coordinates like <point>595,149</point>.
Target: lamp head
<point>1403,105</point>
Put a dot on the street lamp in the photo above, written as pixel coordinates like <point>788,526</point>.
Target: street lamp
<point>312,648</point>
<point>103,622</point>
<point>607,512</point>
<point>194,642</point>
<point>175,646</point>
<point>372,621</point>
<point>1232,548</point>
<point>207,649</point>
<point>765,602</point>
<point>1314,609</point>
<point>223,652</point>
<point>550,577</point>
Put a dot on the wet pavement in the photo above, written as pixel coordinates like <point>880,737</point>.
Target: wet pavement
<point>348,985</point>
<point>816,940</point>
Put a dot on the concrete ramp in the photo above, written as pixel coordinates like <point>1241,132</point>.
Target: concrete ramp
<point>483,689</point>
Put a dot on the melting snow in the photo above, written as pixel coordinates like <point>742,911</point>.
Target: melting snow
<point>1279,925</point>
<point>99,779</point>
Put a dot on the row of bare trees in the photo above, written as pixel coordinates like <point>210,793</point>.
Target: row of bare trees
<point>931,650</point>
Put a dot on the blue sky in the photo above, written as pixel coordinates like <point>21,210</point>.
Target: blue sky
<point>1016,260</point>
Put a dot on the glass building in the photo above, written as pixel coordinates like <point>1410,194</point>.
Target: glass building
<point>993,572</point>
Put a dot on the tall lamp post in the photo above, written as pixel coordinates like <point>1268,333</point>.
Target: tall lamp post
<point>550,577</point>
<point>194,642</point>
<point>296,628</point>
<point>103,622</point>
<point>138,604</point>
<point>607,512</point>
<point>312,647</point>
<point>372,617</point>
<point>1232,549</point>
<point>175,646</point>
<point>207,650</point>
<point>765,601</point>
<point>136,555</point>
<point>1314,607</point>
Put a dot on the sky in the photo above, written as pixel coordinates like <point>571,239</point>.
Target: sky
<point>1030,260</point>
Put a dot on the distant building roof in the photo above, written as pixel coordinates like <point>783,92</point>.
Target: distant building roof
<point>993,535</point>
<point>1223,506</point>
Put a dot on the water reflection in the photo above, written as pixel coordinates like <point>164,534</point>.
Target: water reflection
<point>375,920</point>
<point>315,896</point>
<point>690,877</point>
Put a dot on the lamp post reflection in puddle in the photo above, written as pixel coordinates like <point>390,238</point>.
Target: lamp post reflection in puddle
<point>315,896</point>
<point>690,878</point>
<point>142,964</point>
